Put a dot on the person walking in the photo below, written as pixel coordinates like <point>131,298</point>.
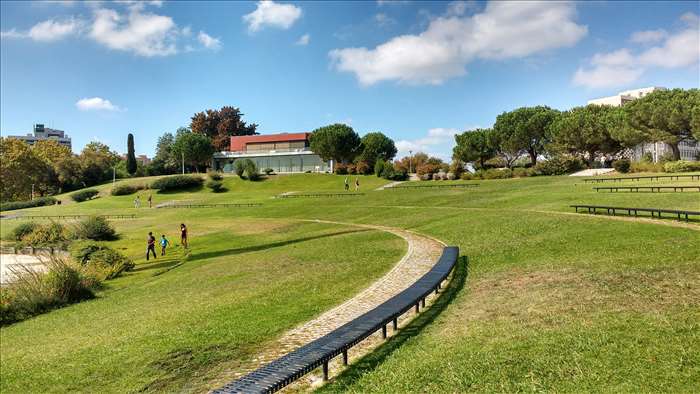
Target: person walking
<point>163,244</point>
<point>137,202</point>
<point>151,246</point>
<point>357,184</point>
<point>150,201</point>
<point>347,185</point>
<point>183,235</point>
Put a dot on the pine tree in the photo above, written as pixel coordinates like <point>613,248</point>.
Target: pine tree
<point>130,156</point>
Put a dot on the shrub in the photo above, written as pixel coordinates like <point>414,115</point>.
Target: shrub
<point>269,171</point>
<point>215,186</point>
<point>379,167</point>
<point>643,166</point>
<point>34,292</point>
<point>215,176</point>
<point>239,167</point>
<point>100,261</point>
<point>251,170</point>
<point>84,195</point>
<point>37,202</point>
<point>682,166</point>
<point>427,168</point>
<point>24,229</point>
<point>126,189</point>
<point>648,157</point>
<point>494,173</point>
<point>341,169</point>
<point>362,168</point>
<point>468,176</point>
<point>96,228</point>
<point>50,234</point>
<point>559,165</point>
<point>177,182</point>
<point>520,172</point>
<point>622,165</point>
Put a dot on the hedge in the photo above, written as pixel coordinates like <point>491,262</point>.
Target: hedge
<point>682,166</point>
<point>84,195</point>
<point>37,202</point>
<point>177,182</point>
<point>125,189</point>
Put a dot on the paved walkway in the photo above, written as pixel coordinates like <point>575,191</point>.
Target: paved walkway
<point>593,172</point>
<point>11,263</point>
<point>420,257</point>
<point>388,185</point>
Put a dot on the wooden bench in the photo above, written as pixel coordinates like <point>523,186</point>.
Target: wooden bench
<point>648,188</point>
<point>429,186</point>
<point>645,177</point>
<point>316,195</point>
<point>655,212</point>
<point>318,353</point>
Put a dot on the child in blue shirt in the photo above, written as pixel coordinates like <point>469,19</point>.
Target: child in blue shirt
<point>163,244</point>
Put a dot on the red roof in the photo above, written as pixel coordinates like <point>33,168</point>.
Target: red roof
<point>238,143</point>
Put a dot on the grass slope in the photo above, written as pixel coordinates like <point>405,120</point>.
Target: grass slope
<point>551,300</point>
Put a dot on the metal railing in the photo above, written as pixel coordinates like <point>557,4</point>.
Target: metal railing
<point>318,353</point>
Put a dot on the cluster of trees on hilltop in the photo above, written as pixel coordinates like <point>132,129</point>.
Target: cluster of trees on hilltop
<point>587,132</point>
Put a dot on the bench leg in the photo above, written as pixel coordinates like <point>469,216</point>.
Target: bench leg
<point>345,357</point>
<point>422,303</point>
<point>384,331</point>
<point>325,370</point>
<point>396,324</point>
<point>417,310</point>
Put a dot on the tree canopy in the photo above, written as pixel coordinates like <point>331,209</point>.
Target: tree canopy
<point>21,168</point>
<point>474,146</point>
<point>96,162</point>
<point>336,142</point>
<point>220,125</point>
<point>670,116</point>
<point>376,146</point>
<point>196,148</point>
<point>523,130</point>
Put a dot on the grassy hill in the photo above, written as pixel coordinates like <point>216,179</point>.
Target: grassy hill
<point>551,300</point>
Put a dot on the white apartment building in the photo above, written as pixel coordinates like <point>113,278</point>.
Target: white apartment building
<point>690,150</point>
<point>44,133</point>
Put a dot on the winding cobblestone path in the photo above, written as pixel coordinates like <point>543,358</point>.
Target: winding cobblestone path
<point>422,253</point>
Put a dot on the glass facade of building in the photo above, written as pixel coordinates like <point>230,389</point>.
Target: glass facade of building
<point>278,163</point>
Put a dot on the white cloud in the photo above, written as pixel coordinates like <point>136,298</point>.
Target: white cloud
<point>208,41</point>
<point>460,7</point>
<point>384,20</point>
<point>503,30</point>
<point>381,3</point>
<point>48,30</point>
<point>623,67</point>
<point>96,104</point>
<point>269,13</point>
<point>145,34</point>
<point>437,142</point>
<point>648,36</point>
<point>304,40</point>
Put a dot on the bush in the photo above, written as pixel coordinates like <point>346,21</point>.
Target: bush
<point>125,189</point>
<point>643,166</point>
<point>622,165</point>
<point>269,171</point>
<point>177,182</point>
<point>379,167</point>
<point>648,157</point>
<point>251,170</point>
<point>34,292</point>
<point>96,228</point>
<point>24,229</point>
<point>215,176</point>
<point>341,169</point>
<point>84,195</point>
<point>37,202</point>
<point>468,176</point>
<point>239,167</point>
<point>50,234</point>
<point>559,165</point>
<point>682,166</point>
<point>362,168</point>
<point>494,173</point>
<point>100,261</point>
<point>215,186</point>
<point>520,172</point>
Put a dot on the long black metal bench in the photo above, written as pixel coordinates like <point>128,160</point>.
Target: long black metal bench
<point>225,205</point>
<point>593,209</point>
<point>292,366</point>
<point>645,177</point>
<point>648,188</point>
<point>131,216</point>
<point>429,186</point>
<point>312,195</point>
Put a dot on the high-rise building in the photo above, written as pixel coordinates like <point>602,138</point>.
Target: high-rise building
<point>44,133</point>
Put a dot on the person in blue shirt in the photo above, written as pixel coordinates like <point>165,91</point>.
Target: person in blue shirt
<point>163,244</point>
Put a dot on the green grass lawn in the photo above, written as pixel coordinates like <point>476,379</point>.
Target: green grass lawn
<point>550,301</point>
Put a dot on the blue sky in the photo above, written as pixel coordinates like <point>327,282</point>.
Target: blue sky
<point>417,71</point>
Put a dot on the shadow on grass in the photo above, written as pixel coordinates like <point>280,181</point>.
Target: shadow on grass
<point>166,262</point>
<point>374,359</point>
<point>257,248</point>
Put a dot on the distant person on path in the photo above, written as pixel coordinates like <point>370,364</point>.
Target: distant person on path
<point>183,235</point>
<point>151,245</point>
<point>347,185</point>
<point>150,201</point>
<point>163,244</point>
<point>137,202</point>
<point>357,184</point>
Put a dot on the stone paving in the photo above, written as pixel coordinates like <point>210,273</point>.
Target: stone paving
<point>421,255</point>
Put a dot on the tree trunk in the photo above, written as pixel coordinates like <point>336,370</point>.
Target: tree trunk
<point>676,151</point>
<point>591,159</point>
<point>533,156</point>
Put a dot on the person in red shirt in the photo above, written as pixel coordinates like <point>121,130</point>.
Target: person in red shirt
<point>151,246</point>
<point>183,235</point>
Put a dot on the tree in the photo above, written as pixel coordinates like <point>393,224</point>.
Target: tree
<point>670,116</point>
<point>473,146</point>
<point>336,142</point>
<point>410,163</point>
<point>523,130</point>
<point>220,125</point>
<point>130,155</point>
<point>376,146</point>
<point>64,165</point>
<point>19,169</point>
<point>587,131</point>
<point>165,160</point>
<point>96,162</point>
<point>196,148</point>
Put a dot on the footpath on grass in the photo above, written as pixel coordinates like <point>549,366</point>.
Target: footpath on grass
<point>420,257</point>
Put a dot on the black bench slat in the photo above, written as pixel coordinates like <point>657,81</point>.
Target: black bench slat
<point>637,178</point>
<point>652,188</point>
<point>636,210</point>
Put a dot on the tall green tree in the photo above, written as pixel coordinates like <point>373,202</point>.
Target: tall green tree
<point>131,165</point>
<point>196,149</point>
<point>96,161</point>
<point>474,146</point>
<point>336,142</point>
<point>20,168</point>
<point>670,116</point>
<point>376,146</point>
<point>64,166</point>
<point>524,130</point>
<point>588,131</point>
<point>219,125</point>
<point>165,160</point>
